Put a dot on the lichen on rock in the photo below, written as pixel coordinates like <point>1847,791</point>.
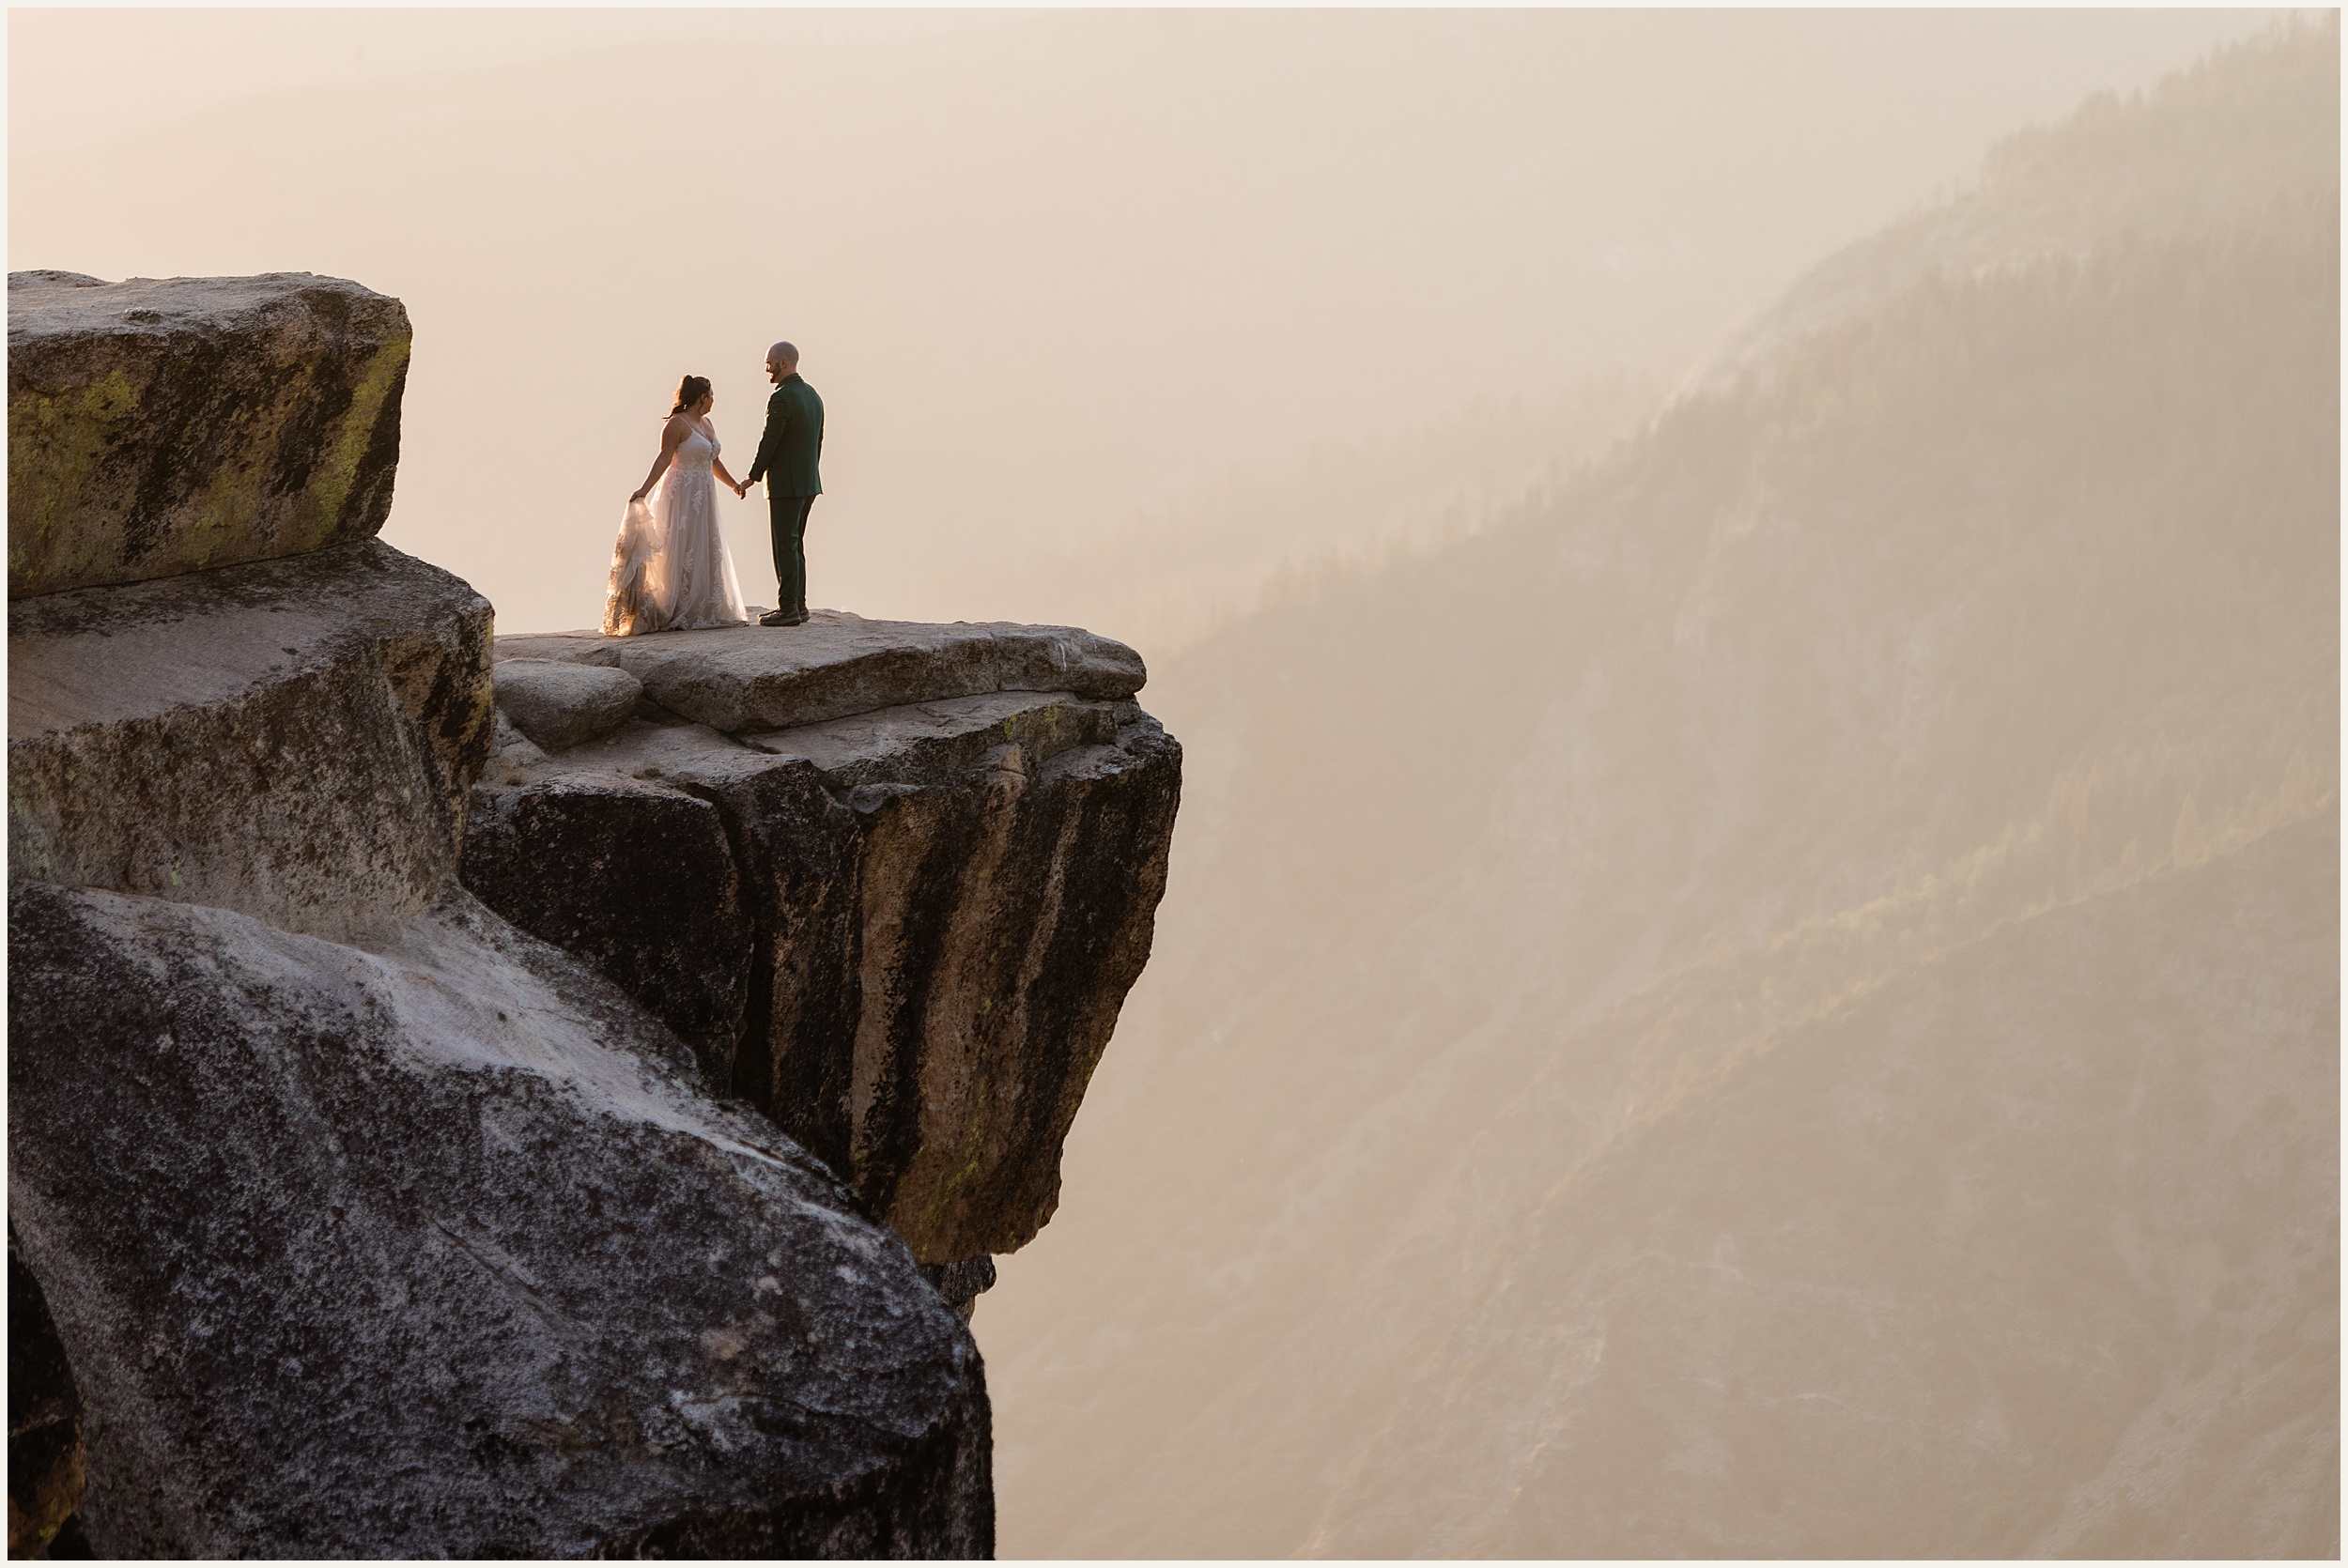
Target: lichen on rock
<point>163,426</point>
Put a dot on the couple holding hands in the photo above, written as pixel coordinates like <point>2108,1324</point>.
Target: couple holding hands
<point>670,570</point>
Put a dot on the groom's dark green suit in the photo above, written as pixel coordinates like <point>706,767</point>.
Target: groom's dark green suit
<point>786,460</point>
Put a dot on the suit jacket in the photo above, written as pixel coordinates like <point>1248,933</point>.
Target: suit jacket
<point>793,442</point>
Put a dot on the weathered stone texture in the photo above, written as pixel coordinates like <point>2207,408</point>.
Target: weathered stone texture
<point>158,427</point>
<point>647,892</point>
<point>349,1218</point>
<point>45,1454</point>
<point>961,1284</point>
<point>441,1250</point>
<point>293,739</point>
<point>947,898</point>
<point>560,705</point>
<point>1005,916</point>
<point>741,680</point>
<point>430,1227</point>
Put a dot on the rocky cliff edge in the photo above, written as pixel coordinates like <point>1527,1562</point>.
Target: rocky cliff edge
<point>892,881</point>
<point>529,1110</point>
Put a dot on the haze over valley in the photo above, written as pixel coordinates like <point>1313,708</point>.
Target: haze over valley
<point>1782,999</point>
<point>1751,957</point>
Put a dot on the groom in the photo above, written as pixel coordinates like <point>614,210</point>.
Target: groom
<point>787,459</point>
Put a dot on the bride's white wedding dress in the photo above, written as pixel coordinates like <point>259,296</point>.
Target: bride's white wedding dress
<point>670,570</point>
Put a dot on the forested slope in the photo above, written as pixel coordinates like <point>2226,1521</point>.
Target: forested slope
<point>2250,121</point>
<point>1782,1000</point>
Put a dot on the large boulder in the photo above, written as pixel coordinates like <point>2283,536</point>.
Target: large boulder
<point>440,1250</point>
<point>158,427</point>
<point>292,739</point>
<point>903,933</point>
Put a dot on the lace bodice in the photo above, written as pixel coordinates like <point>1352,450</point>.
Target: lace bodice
<point>697,453</point>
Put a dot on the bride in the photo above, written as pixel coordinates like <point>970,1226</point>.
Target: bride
<point>670,570</point>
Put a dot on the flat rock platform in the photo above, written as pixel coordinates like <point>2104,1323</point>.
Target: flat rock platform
<point>741,679</point>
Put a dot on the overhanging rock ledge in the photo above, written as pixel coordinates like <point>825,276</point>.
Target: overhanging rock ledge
<point>892,881</point>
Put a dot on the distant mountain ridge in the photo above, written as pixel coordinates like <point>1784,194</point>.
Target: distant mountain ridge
<point>2250,121</point>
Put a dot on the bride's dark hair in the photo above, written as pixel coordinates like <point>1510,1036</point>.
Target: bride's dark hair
<point>689,391</point>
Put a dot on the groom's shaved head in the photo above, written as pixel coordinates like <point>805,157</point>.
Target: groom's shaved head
<point>787,353</point>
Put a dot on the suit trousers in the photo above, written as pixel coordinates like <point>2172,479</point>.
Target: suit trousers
<point>787,516</point>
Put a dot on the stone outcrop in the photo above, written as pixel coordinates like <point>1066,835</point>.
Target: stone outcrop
<point>892,882</point>
<point>158,427</point>
<point>349,1215</point>
<point>441,1250</point>
<point>434,1224</point>
<point>291,738</point>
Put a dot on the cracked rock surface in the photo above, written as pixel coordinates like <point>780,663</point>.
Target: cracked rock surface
<point>369,1225</point>
<point>737,680</point>
<point>560,705</point>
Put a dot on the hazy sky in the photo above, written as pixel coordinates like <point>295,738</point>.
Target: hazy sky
<point>1047,269</point>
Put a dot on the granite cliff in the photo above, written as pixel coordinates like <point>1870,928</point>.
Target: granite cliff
<point>519,1097</point>
<point>890,881</point>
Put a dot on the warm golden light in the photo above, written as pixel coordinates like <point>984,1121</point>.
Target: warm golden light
<point>1751,964</point>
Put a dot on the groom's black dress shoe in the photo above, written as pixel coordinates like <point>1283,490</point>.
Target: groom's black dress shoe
<point>783,618</point>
